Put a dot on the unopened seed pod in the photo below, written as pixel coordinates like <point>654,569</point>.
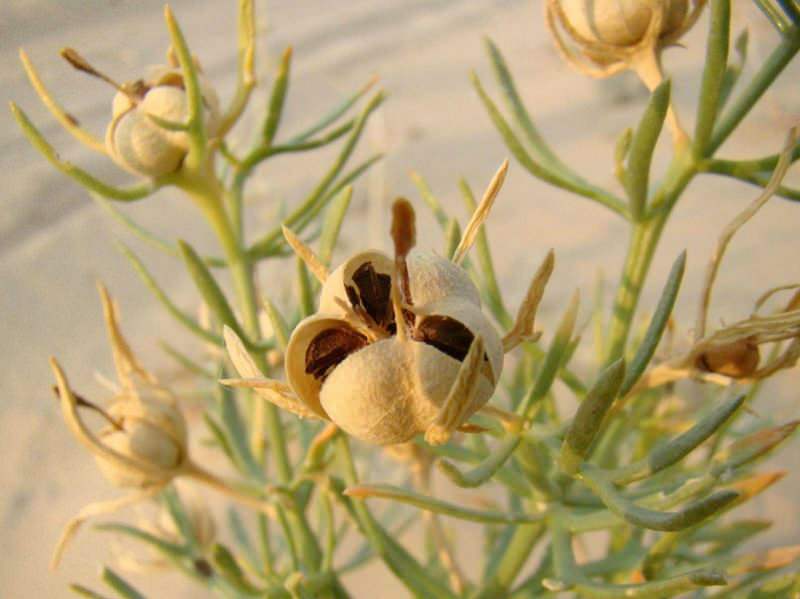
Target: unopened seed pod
<point>622,22</point>
<point>140,145</point>
<point>148,432</point>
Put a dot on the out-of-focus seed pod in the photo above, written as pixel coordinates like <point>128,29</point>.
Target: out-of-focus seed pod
<point>622,22</point>
<point>738,359</point>
<point>147,431</point>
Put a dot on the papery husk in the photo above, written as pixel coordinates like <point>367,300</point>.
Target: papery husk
<point>476,322</point>
<point>392,390</point>
<point>306,386</point>
<point>431,278</point>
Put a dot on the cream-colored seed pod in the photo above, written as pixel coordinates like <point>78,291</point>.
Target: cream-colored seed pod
<point>388,390</point>
<point>148,431</point>
<point>621,22</point>
<point>140,145</point>
<point>399,346</point>
<point>391,390</point>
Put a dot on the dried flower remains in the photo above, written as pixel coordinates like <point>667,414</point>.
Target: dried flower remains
<point>399,346</point>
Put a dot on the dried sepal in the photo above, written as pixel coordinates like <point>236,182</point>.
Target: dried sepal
<point>306,254</point>
<point>100,508</point>
<point>481,213</point>
<point>69,122</point>
<point>460,401</point>
<point>522,329</point>
<point>125,361</point>
<point>273,391</point>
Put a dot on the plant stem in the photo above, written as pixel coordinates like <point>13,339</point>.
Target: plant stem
<point>772,67</point>
<point>206,191</point>
<point>684,167</point>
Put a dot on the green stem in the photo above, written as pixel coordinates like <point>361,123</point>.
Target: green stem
<point>772,67</point>
<point>205,190</point>
<point>644,238</point>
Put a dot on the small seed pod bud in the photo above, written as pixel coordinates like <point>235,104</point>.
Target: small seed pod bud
<point>147,431</point>
<point>139,144</point>
<point>738,359</point>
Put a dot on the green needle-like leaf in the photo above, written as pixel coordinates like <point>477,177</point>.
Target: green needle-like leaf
<point>734,70</point>
<point>691,514</point>
<point>209,289</point>
<point>483,471</point>
<point>716,63</point>
<point>229,569</point>
<point>438,506</point>
<point>673,451</point>
<point>452,238</point>
<point>332,224</point>
<point>589,417</point>
<point>123,588</point>
<point>517,108</point>
<point>83,591</point>
<point>187,321</point>
<point>331,117</point>
<point>655,330</point>
<point>120,194</point>
<point>322,192</point>
<point>195,119</point>
<point>278,98</point>
<point>643,144</point>
<point>540,170</point>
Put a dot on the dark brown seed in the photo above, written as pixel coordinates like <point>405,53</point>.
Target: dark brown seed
<point>329,348</point>
<point>203,568</point>
<point>374,293</point>
<point>445,334</point>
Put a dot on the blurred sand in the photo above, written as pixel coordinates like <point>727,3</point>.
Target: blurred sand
<point>54,242</point>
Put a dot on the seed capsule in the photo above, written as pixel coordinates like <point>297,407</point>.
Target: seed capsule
<point>738,359</point>
<point>622,22</point>
<point>399,346</point>
<point>140,145</point>
<point>146,431</point>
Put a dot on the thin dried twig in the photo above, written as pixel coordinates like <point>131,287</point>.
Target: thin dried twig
<point>727,234</point>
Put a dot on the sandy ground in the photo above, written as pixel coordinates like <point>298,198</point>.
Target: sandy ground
<point>54,243</point>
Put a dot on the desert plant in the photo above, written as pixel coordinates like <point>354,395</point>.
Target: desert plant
<point>397,358</point>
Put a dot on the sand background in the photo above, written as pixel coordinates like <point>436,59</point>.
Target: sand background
<point>55,243</point>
